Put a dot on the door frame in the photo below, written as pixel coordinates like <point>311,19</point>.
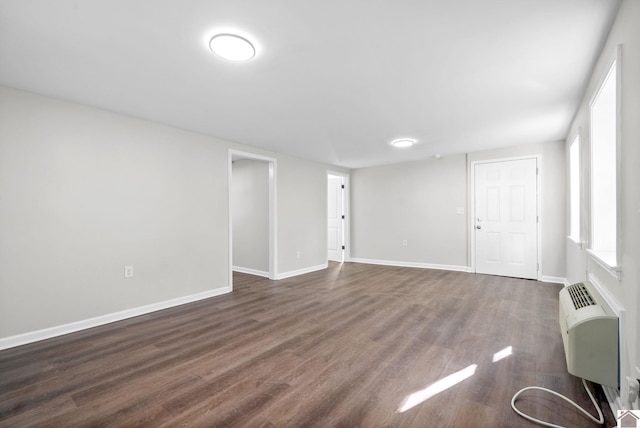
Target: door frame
<point>472,207</point>
<point>273,245</point>
<point>347,214</point>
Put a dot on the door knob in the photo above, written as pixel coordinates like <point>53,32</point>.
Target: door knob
<point>478,227</point>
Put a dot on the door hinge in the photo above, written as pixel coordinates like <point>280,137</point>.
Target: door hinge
<point>343,216</point>
<point>343,247</point>
<point>537,170</point>
<point>342,186</point>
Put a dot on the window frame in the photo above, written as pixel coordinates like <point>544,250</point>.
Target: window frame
<point>616,269</point>
<point>577,188</point>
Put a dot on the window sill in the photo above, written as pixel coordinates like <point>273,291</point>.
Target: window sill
<point>607,259</point>
<point>579,243</point>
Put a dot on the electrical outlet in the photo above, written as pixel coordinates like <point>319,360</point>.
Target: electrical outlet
<point>128,271</point>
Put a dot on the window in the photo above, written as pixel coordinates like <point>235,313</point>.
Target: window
<point>604,171</point>
<point>574,189</point>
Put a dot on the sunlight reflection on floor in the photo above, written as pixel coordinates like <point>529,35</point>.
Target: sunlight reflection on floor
<point>436,388</point>
<point>502,354</point>
<point>443,384</point>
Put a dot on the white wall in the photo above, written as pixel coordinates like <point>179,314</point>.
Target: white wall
<point>302,215</point>
<point>250,215</point>
<point>414,201</point>
<point>418,201</point>
<point>84,192</point>
<point>625,31</point>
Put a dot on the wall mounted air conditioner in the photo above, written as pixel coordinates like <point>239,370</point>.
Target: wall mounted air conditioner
<point>590,334</point>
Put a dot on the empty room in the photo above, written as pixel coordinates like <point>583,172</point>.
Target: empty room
<point>319,214</point>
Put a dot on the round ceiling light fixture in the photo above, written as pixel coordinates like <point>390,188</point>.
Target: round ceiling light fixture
<point>232,47</point>
<point>403,143</point>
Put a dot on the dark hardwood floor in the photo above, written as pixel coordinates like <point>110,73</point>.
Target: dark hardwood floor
<point>351,346</point>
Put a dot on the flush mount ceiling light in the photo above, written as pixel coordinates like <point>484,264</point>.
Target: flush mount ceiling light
<point>402,143</point>
<point>232,47</point>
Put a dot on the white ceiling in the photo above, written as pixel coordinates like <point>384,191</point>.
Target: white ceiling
<point>333,80</point>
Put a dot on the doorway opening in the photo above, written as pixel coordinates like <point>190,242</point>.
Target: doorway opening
<point>252,214</point>
<point>337,216</point>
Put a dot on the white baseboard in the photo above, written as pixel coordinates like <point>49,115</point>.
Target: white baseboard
<point>554,279</point>
<point>60,330</point>
<point>251,271</point>
<point>301,271</point>
<point>412,264</point>
<point>613,397</point>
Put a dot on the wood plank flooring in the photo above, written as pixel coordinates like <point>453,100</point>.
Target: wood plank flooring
<point>351,346</point>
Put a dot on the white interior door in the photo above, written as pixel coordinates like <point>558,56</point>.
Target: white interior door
<point>506,222</point>
<point>335,204</point>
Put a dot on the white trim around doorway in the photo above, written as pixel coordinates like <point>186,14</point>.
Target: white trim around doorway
<point>347,212</point>
<point>273,245</point>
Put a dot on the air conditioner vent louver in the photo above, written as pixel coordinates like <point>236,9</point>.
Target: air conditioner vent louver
<point>580,296</point>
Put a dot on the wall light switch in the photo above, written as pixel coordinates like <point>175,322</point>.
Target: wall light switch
<point>128,271</point>
<point>404,243</point>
